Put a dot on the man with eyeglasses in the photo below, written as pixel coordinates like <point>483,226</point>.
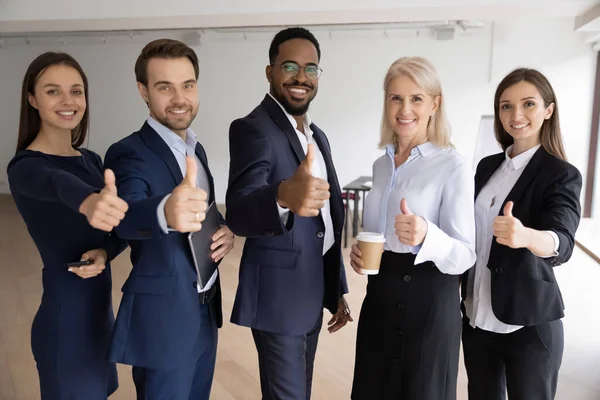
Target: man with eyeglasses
<point>284,197</point>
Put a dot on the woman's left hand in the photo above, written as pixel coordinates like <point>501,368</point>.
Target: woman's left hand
<point>98,256</point>
<point>410,229</point>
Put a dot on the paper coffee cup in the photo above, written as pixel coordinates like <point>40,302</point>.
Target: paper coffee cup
<point>370,245</point>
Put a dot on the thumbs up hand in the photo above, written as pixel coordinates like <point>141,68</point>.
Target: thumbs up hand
<point>509,231</point>
<point>304,194</point>
<point>104,210</point>
<point>184,210</point>
<point>410,228</point>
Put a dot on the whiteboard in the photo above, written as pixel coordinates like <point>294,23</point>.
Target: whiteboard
<point>486,140</point>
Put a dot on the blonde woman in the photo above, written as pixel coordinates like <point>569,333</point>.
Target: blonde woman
<point>422,201</point>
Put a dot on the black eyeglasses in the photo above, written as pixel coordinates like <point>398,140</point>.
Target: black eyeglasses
<point>291,69</point>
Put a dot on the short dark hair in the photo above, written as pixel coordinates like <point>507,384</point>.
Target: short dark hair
<point>289,34</point>
<point>29,120</point>
<point>163,48</point>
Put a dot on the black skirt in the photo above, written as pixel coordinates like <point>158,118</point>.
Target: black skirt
<point>408,339</point>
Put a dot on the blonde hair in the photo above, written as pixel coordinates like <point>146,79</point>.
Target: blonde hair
<point>422,72</point>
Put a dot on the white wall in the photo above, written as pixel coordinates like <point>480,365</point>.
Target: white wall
<point>349,104</point>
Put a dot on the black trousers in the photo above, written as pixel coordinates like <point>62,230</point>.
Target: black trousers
<point>525,362</point>
<point>286,363</point>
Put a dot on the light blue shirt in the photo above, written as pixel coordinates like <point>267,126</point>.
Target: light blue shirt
<point>438,185</point>
<point>180,150</point>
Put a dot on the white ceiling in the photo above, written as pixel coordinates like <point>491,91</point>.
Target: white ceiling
<point>27,16</point>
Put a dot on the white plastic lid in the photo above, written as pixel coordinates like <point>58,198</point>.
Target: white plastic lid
<point>371,237</point>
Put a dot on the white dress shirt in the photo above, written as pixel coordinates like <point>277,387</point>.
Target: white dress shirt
<point>319,170</point>
<point>438,186</point>
<point>478,302</point>
<point>180,150</point>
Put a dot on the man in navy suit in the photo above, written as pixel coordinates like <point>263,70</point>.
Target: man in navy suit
<point>166,327</point>
<point>284,197</point>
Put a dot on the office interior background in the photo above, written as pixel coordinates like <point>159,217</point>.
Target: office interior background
<point>472,43</point>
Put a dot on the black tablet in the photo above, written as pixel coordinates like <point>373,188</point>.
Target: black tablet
<point>200,243</point>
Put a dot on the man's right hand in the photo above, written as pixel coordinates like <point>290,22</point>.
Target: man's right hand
<point>304,194</point>
<point>184,210</point>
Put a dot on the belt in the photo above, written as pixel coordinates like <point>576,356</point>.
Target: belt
<point>208,295</point>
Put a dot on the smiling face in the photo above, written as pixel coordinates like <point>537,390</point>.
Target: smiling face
<point>522,112</point>
<point>59,97</point>
<point>408,108</point>
<point>294,92</point>
<point>171,93</point>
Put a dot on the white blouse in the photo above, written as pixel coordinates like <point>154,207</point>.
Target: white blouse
<point>438,185</point>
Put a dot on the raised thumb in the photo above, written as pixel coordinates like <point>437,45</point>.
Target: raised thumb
<point>404,207</point>
<point>110,181</point>
<point>310,157</point>
<point>191,172</point>
<point>508,209</point>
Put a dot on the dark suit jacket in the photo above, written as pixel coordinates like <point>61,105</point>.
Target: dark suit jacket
<point>158,319</point>
<point>285,280</point>
<point>546,197</point>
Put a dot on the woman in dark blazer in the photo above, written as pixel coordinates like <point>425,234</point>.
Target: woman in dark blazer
<point>57,186</point>
<point>526,211</point>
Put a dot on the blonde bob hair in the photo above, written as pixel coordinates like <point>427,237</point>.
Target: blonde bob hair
<point>422,72</point>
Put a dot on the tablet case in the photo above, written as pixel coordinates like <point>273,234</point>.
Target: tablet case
<point>200,243</point>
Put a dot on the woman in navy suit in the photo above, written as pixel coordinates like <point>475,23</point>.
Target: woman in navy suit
<point>526,212</point>
<point>69,209</point>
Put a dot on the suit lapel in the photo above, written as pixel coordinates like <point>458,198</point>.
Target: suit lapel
<point>201,154</point>
<point>337,213</point>
<point>530,172</point>
<point>277,115</point>
<point>162,150</point>
<point>488,169</point>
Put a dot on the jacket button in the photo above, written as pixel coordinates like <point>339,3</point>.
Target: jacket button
<point>499,270</point>
<point>398,332</point>
<point>320,235</point>
<point>195,284</point>
<point>400,306</point>
<point>407,278</point>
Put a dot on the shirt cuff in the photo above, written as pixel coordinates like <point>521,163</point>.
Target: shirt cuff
<point>434,245</point>
<point>556,244</point>
<point>283,213</point>
<point>162,218</point>
<point>449,255</point>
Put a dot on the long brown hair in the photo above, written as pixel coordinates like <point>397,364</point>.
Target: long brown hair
<point>550,134</point>
<point>29,121</point>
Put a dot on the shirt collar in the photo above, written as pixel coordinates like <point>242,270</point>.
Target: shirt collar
<point>172,139</point>
<point>307,120</point>
<point>521,160</point>
<point>423,149</point>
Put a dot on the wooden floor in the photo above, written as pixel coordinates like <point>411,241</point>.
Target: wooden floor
<point>236,374</point>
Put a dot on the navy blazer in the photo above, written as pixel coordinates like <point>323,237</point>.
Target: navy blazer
<point>284,279</point>
<point>158,319</point>
<point>546,197</point>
